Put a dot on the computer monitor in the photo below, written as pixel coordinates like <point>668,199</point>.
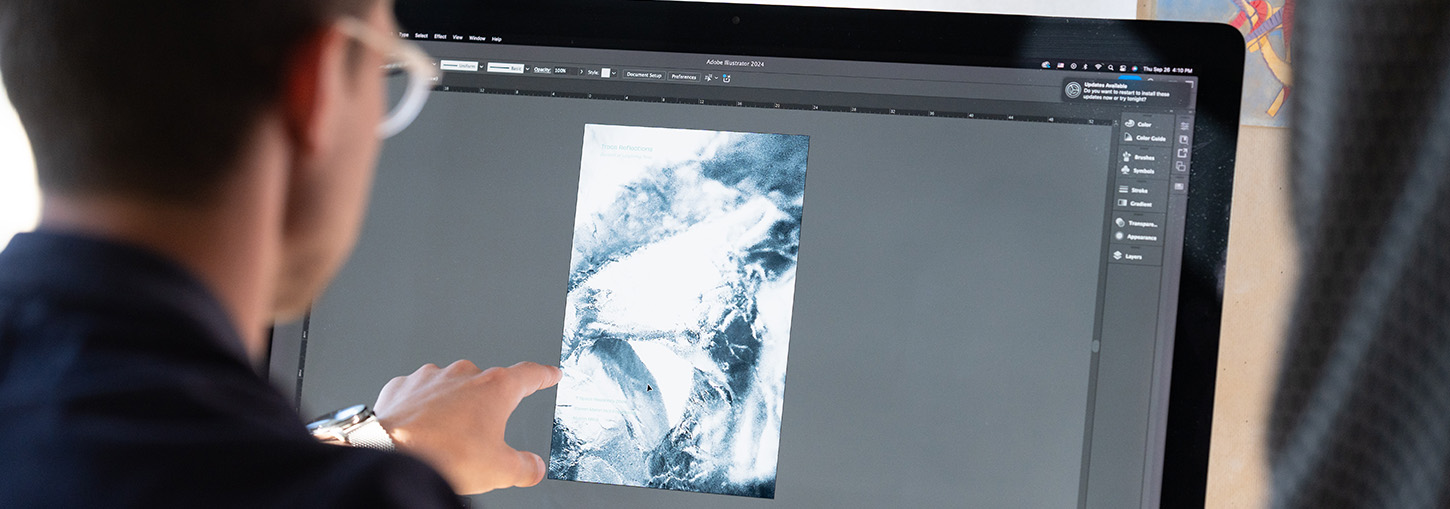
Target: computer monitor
<point>796,257</point>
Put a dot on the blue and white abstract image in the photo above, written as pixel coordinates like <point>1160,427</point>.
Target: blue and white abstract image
<point>680,293</point>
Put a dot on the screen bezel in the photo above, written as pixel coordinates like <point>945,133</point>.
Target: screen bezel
<point>1213,51</point>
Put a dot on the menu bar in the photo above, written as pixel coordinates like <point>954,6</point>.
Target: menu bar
<point>1088,88</point>
<point>1022,63</point>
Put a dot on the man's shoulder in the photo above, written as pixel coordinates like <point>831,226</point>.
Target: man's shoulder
<point>79,354</point>
<point>91,331</point>
<point>94,414</point>
<point>119,389</point>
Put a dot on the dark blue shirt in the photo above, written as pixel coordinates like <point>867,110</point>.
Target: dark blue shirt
<point>123,383</point>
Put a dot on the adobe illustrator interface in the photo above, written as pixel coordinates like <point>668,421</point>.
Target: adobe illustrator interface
<point>964,270</point>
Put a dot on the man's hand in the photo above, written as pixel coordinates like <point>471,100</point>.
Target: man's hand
<point>454,419</point>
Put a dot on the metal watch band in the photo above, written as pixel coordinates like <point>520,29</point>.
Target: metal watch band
<point>370,434</point>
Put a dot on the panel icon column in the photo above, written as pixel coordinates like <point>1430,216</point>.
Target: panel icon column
<point>1141,188</point>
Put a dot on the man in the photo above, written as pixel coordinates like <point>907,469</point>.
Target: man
<point>205,168</point>
<point>1361,414</point>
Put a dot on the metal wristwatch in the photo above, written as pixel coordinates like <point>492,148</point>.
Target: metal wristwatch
<point>355,426</point>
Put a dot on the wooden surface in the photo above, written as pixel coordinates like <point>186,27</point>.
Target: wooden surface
<point>1257,297</point>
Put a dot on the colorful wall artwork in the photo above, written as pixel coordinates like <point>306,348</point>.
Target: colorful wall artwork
<point>1267,27</point>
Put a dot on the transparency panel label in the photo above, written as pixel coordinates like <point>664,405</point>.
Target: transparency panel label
<point>680,294</point>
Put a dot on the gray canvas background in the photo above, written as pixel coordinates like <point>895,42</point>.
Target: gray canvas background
<point>944,304</point>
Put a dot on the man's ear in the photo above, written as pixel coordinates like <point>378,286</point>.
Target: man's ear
<point>312,83</point>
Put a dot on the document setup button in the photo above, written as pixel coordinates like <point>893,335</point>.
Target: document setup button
<point>644,75</point>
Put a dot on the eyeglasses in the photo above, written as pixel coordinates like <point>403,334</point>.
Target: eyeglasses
<point>410,74</point>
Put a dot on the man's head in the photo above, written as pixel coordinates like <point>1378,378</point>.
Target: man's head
<point>160,102</point>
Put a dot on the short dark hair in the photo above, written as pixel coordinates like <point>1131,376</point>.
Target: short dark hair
<point>150,98</point>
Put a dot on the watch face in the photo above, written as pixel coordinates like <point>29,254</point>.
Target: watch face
<point>349,412</point>
<point>341,417</point>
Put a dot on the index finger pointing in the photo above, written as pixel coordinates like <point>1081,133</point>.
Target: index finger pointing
<point>534,376</point>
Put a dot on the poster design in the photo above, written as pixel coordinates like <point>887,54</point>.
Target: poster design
<point>677,323</point>
<point>1267,27</point>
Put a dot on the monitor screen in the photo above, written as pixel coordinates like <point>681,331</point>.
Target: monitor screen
<point>787,280</point>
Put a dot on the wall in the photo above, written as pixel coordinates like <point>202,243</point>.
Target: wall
<point>19,199</point>
<point>1257,297</point>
